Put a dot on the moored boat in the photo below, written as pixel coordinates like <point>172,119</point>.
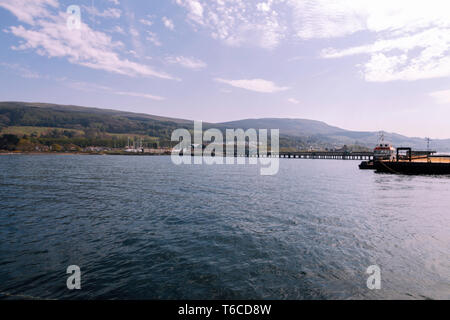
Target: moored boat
<point>382,152</point>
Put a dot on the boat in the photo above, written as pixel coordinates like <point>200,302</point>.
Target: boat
<point>382,152</point>
<point>415,162</point>
<point>404,160</point>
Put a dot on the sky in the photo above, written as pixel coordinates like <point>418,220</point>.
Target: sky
<point>357,64</point>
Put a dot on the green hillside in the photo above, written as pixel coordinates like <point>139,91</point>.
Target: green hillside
<point>38,126</point>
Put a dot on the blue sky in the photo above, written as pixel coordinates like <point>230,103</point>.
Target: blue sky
<point>357,64</point>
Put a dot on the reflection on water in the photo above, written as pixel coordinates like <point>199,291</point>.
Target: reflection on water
<point>142,228</point>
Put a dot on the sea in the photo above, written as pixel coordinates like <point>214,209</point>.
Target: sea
<point>141,227</point>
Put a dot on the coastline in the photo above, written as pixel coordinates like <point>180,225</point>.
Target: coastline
<point>81,154</point>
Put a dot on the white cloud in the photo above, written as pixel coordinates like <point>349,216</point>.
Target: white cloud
<point>309,19</point>
<point>139,95</point>
<point>258,85</point>
<point>20,70</point>
<point>195,9</point>
<point>421,55</point>
<point>264,6</point>
<point>412,37</point>
<point>294,101</point>
<point>132,52</point>
<point>118,29</point>
<point>93,87</point>
<point>116,2</point>
<point>168,23</point>
<point>153,38</point>
<point>85,86</point>
<point>146,22</point>
<point>49,36</point>
<point>335,18</point>
<point>441,97</point>
<point>27,11</point>
<point>413,40</point>
<point>327,18</point>
<point>107,13</point>
<point>238,23</point>
<point>382,68</point>
<point>190,63</point>
<point>133,32</point>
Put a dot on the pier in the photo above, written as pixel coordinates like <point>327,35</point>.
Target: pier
<point>334,155</point>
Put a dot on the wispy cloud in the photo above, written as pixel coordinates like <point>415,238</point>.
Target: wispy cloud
<point>49,36</point>
<point>412,37</point>
<point>118,29</point>
<point>139,95</point>
<point>92,87</point>
<point>153,38</point>
<point>85,86</point>
<point>294,101</point>
<point>258,85</point>
<point>194,8</point>
<point>314,19</point>
<point>296,58</point>
<point>168,23</point>
<point>107,13</point>
<point>146,22</point>
<point>441,97</point>
<point>239,22</point>
<point>20,70</point>
<point>27,11</point>
<point>421,55</point>
<point>190,63</point>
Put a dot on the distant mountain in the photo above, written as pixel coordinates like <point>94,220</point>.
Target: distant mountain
<point>291,127</point>
<point>96,125</point>
<point>334,135</point>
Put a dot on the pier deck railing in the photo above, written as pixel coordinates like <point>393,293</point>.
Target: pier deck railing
<point>337,155</point>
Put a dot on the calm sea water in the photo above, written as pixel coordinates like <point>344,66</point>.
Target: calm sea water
<point>143,228</point>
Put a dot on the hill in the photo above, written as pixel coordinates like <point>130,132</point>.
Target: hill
<point>78,127</point>
<point>327,134</point>
<point>291,127</point>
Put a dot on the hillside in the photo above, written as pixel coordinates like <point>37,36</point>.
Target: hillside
<point>75,126</point>
<point>292,127</point>
<point>93,111</point>
<point>50,124</point>
<point>336,136</point>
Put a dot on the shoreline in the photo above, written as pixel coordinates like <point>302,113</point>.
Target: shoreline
<point>79,154</point>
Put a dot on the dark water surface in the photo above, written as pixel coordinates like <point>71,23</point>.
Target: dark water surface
<point>143,228</point>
